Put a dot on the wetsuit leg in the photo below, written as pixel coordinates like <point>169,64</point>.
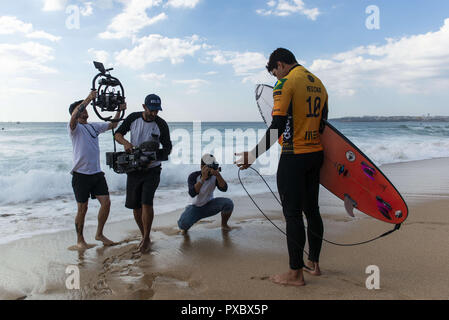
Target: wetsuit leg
<point>298,184</point>
<point>311,209</point>
<point>290,180</point>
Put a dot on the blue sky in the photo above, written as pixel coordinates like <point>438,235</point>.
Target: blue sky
<point>204,57</point>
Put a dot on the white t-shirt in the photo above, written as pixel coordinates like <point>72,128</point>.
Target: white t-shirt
<point>86,150</point>
<point>206,193</point>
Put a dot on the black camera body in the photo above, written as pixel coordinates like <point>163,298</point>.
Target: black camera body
<point>109,101</point>
<point>214,166</point>
<point>110,93</point>
<point>137,160</point>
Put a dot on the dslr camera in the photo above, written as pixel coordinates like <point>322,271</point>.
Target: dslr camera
<point>214,166</point>
<point>137,160</point>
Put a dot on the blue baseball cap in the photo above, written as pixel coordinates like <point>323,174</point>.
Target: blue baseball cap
<point>153,102</point>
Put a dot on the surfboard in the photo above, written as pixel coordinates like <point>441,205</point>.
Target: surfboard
<point>347,172</point>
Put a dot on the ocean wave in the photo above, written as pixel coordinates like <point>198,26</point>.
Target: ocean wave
<point>403,149</point>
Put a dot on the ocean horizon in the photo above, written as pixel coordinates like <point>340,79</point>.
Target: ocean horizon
<point>35,162</point>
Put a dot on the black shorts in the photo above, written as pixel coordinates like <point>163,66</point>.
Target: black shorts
<point>85,185</point>
<point>141,186</point>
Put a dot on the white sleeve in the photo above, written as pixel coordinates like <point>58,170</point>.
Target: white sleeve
<point>72,132</point>
<point>101,127</point>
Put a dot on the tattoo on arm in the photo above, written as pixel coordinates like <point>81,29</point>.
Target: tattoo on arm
<point>81,109</point>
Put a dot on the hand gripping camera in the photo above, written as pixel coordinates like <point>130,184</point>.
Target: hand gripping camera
<point>137,160</point>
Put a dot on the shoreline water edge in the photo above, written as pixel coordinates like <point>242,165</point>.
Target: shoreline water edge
<point>209,263</point>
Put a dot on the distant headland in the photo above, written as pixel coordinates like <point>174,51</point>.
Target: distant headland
<point>393,119</point>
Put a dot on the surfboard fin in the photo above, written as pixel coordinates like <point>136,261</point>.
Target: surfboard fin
<point>350,204</point>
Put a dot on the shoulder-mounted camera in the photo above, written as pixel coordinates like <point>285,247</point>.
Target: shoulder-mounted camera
<point>138,159</point>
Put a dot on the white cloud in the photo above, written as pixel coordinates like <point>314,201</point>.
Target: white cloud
<point>155,48</point>
<point>104,4</point>
<point>100,56</point>
<point>288,7</point>
<point>418,63</point>
<point>132,19</point>
<point>54,5</point>
<point>18,59</point>
<point>243,63</point>
<point>19,62</point>
<point>155,78</point>
<point>43,35</point>
<point>11,25</point>
<point>248,65</point>
<point>193,85</point>
<point>87,10</point>
<point>182,3</point>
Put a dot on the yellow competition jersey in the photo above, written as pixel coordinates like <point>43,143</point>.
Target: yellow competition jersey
<point>300,96</point>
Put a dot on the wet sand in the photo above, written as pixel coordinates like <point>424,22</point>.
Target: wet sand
<point>209,263</point>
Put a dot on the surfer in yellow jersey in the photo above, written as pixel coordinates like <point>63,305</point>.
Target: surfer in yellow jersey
<point>300,104</point>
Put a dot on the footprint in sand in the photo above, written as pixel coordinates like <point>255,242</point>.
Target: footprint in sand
<point>77,248</point>
<point>260,278</point>
<point>168,231</point>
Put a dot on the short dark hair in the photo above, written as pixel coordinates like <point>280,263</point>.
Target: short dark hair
<point>74,105</point>
<point>280,55</point>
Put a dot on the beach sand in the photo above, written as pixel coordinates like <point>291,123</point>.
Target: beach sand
<point>210,263</point>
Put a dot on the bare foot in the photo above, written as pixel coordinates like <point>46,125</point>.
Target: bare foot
<point>145,246</point>
<point>106,241</point>
<point>291,278</point>
<point>312,268</point>
<point>81,246</point>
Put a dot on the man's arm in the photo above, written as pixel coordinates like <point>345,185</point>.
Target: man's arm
<point>80,108</point>
<point>194,186</point>
<point>282,96</point>
<point>221,183</point>
<point>114,125</point>
<point>124,129</point>
<point>272,135</point>
<point>324,115</point>
<point>165,140</point>
<point>274,132</point>
<point>126,144</point>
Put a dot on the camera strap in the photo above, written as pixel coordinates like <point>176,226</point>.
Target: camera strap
<point>90,132</point>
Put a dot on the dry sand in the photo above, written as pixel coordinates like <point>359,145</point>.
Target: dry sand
<point>209,263</point>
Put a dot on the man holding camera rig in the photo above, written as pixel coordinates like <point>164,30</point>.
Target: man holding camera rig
<point>201,187</point>
<point>88,179</point>
<point>141,185</point>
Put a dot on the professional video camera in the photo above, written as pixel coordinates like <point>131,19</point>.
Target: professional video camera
<point>110,93</point>
<point>138,159</point>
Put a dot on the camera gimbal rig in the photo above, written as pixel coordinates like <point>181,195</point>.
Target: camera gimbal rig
<point>110,93</point>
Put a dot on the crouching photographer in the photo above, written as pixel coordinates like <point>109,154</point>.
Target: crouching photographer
<point>201,187</point>
<point>146,128</point>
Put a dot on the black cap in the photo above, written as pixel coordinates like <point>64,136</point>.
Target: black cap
<point>153,102</point>
<point>74,105</point>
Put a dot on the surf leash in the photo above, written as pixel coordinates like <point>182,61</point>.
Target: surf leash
<point>396,227</point>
